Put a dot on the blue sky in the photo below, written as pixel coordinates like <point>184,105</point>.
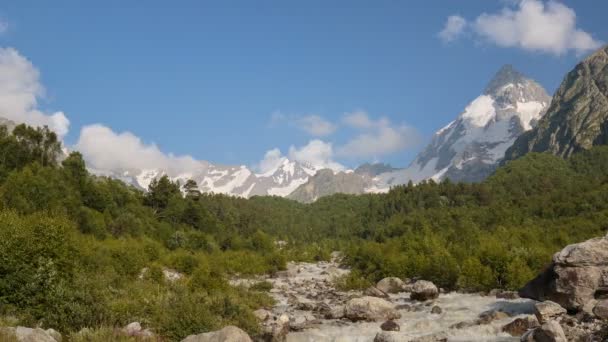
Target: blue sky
<point>226,81</point>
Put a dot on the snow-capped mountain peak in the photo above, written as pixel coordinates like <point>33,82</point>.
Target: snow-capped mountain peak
<point>469,148</point>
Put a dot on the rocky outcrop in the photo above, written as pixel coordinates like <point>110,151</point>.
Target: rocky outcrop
<point>577,118</point>
<point>424,290</point>
<point>370,309</point>
<point>227,334</point>
<point>577,275</point>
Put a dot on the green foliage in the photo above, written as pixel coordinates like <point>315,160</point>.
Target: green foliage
<point>73,246</point>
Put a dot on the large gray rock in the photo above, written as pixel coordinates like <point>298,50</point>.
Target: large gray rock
<point>547,311</point>
<point>549,332</point>
<point>577,274</point>
<point>391,285</point>
<point>227,334</point>
<point>424,290</point>
<point>370,309</point>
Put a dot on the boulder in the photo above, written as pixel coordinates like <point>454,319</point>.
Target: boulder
<point>424,290</point>
<point>375,292</point>
<point>132,329</point>
<point>600,310</point>
<point>575,276</point>
<point>520,326</point>
<point>550,331</point>
<point>391,285</point>
<point>390,325</point>
<point>55,334</point>
<point>548,310</point>
<point>370,309</point>
<point>227,334</point>
<point>436,310</point>
<point>24,334</point>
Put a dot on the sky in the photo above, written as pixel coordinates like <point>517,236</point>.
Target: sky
<point>336,83</point>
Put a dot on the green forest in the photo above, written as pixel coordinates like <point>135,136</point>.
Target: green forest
<point>78,250</point>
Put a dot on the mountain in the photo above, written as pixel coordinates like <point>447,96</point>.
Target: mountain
<point>232,180</point>
<point>470,147</point>
<point>467,149</point>
<point>327,182</point>
<point>577,118</point>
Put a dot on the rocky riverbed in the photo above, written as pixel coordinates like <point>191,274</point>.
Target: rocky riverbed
<point>309,308</point>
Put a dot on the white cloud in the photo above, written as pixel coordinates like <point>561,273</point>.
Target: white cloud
<point>315,125</point>
<point>453,29</point>
<point>317,153</point>
<point>20,90</point>
<point>535,25</point>
<point>378,137</point>
<point>106,150</point>
<point>272,159</point>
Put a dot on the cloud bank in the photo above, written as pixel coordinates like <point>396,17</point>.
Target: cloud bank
<point>372,138</point>
<point>531,25</point>
<point>106,150</point>
<point>20,90</point>
<point>377,137</point>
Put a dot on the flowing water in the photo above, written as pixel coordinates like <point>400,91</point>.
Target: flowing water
<point>312,282</point>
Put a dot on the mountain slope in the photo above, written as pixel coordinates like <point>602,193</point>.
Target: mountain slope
<point>578,116</point>
<point>470,147</point>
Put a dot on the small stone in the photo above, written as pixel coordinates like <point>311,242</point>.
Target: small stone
<point>390,325</point>
<point>262,314</point>
<point>229,333</point>
<point>436,310</point>
<point>404,307</point>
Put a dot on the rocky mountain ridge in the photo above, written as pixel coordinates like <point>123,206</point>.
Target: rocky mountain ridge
<point>577,118</point>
